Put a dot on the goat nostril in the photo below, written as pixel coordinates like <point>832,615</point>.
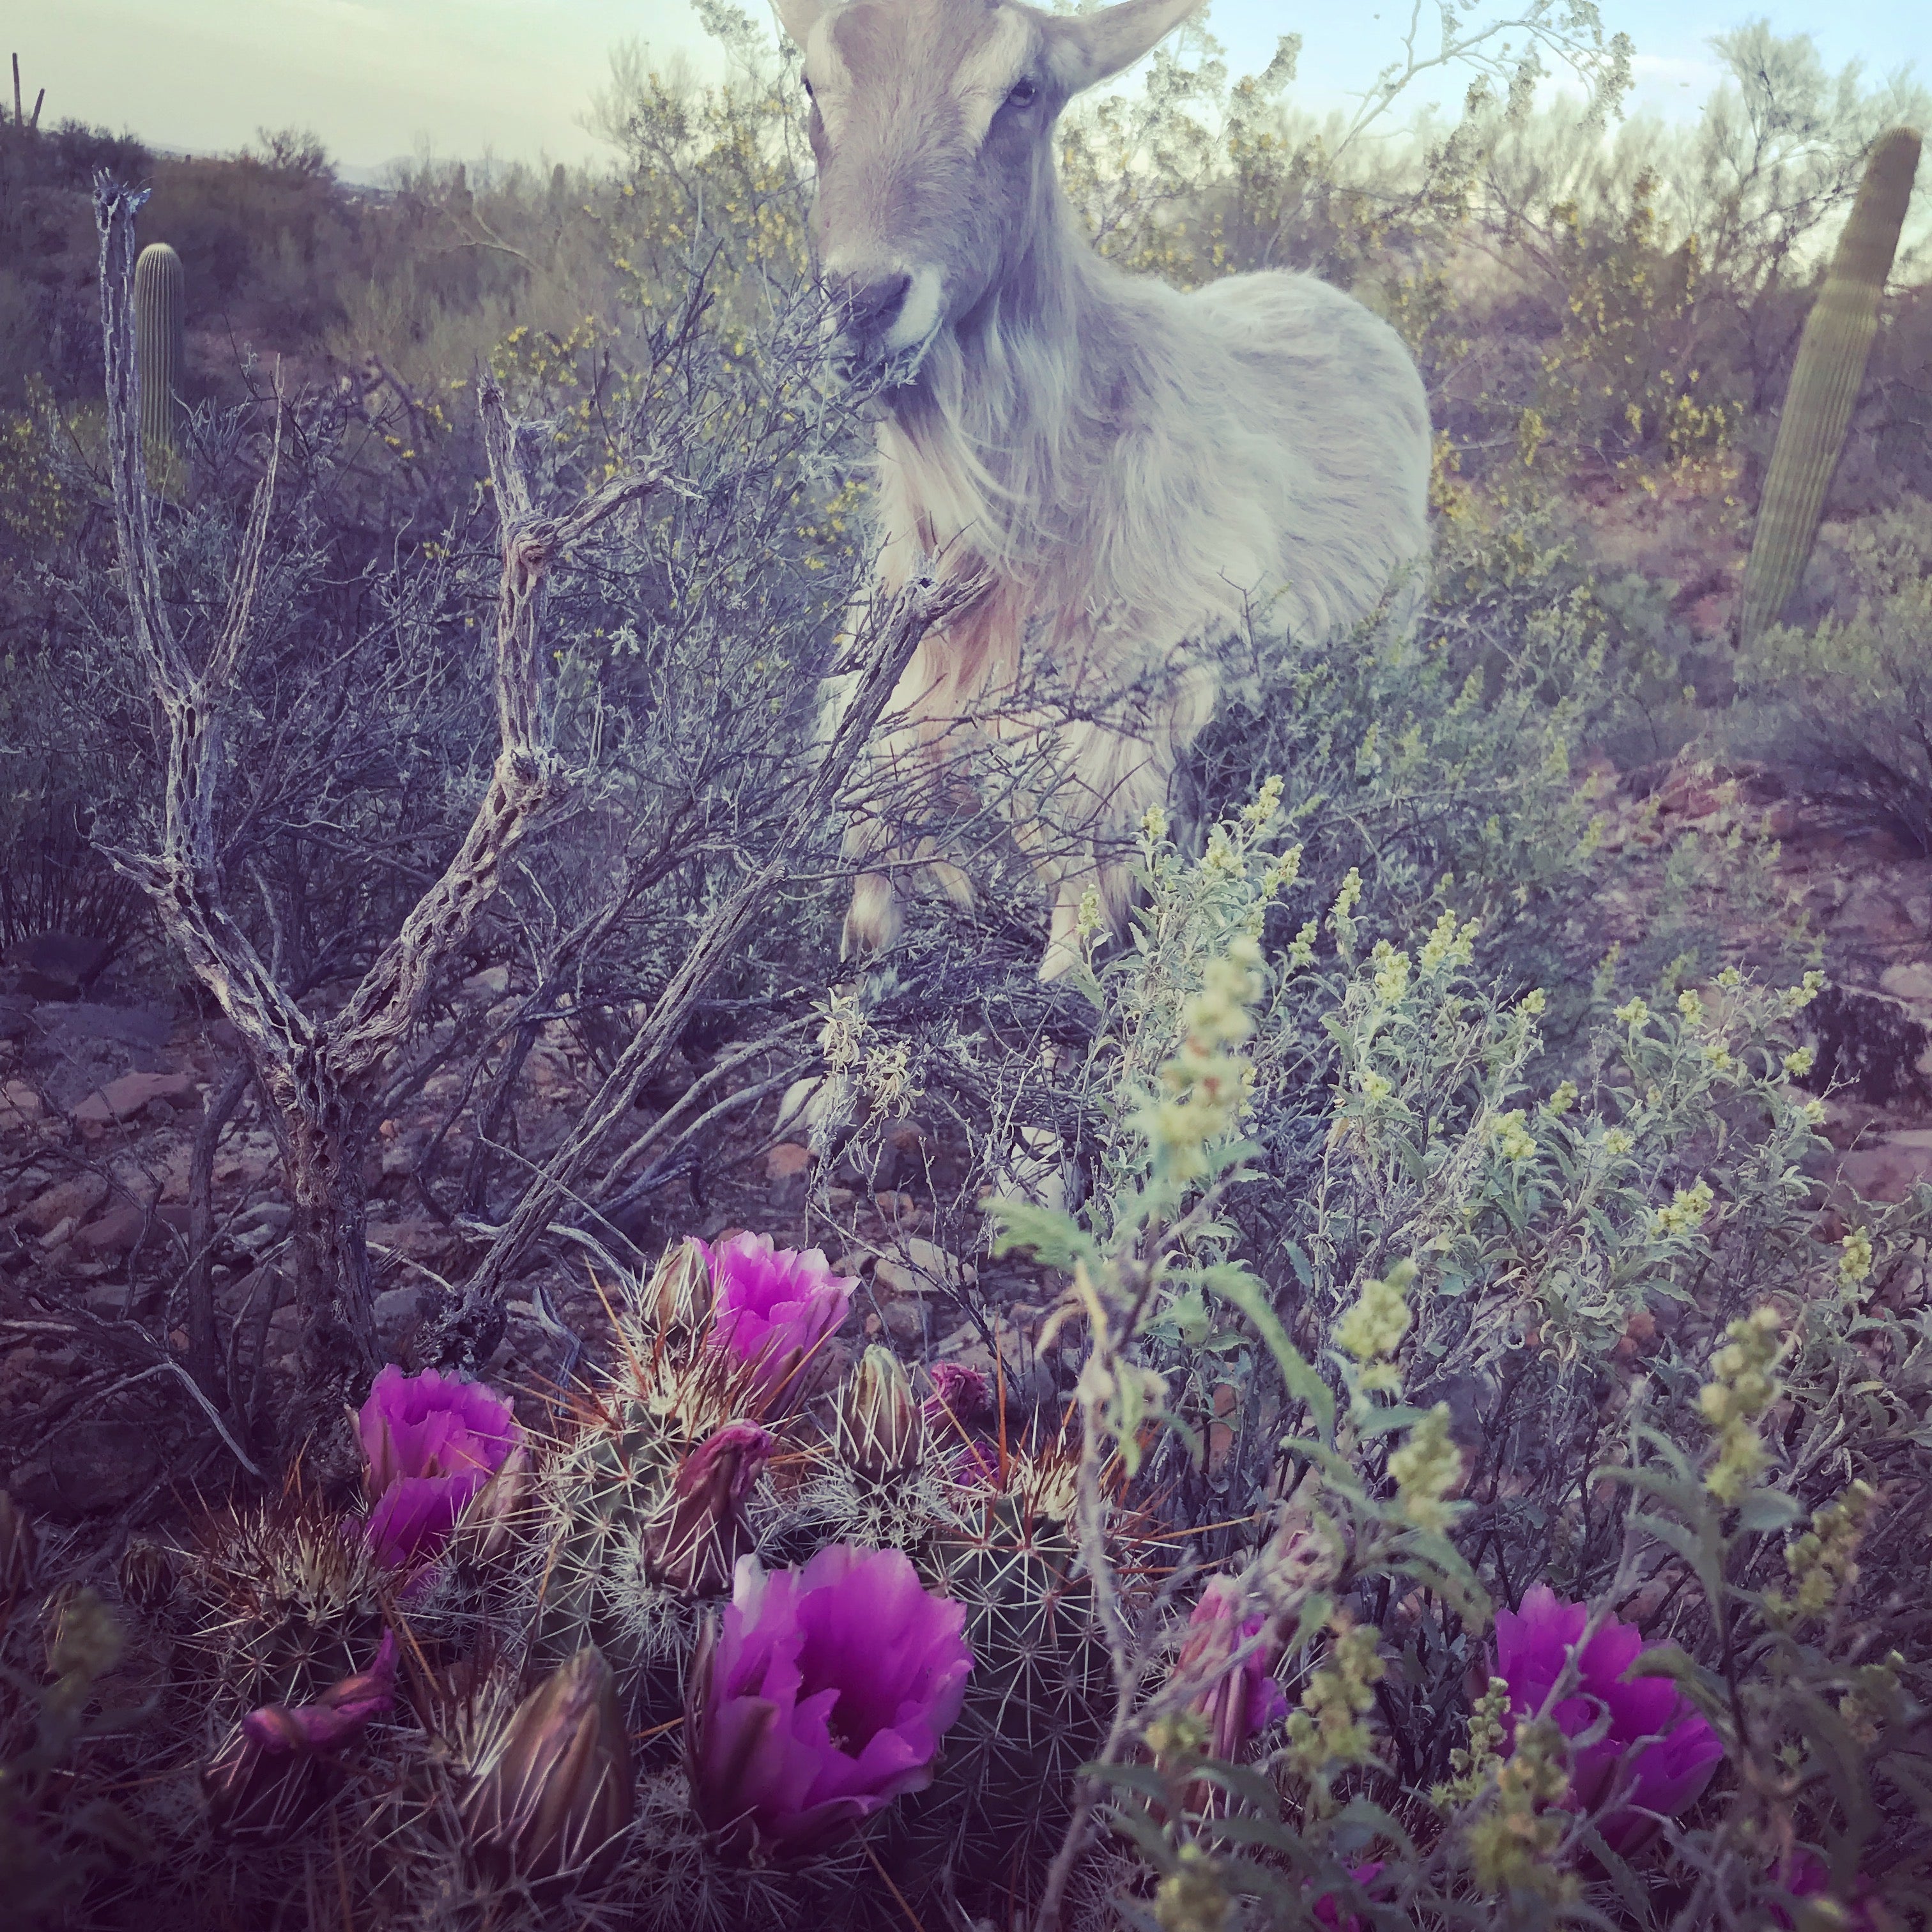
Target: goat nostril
<point>867,308</point>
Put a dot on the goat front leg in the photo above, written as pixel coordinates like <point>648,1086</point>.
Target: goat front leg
<point>894,830</point>
<point>1109,770</point>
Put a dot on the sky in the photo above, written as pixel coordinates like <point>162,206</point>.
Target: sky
<point>378,79</point>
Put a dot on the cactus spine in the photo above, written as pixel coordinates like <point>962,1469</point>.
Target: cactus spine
<point>159,348</point>
<point>1825,383</point>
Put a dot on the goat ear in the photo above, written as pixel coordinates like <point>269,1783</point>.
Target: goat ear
<point>798,17</point>
<point>1087,48</point>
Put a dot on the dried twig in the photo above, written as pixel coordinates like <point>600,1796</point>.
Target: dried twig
<point>315,1073</point>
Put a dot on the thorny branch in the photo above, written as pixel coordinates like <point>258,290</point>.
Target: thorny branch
<point>468,1328</point>
<point>314,1072</point>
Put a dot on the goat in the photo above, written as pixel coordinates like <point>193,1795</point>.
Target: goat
<point>1132,469</point>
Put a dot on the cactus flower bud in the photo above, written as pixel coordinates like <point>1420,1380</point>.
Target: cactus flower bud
<point>553,1798</point>
<point>19,1544</point>
<point>961,1396</point>
<point>694,1540</point>
<point>273,1773</point>
<point>147,1577</point>
<point>484,1529</point>
<point>879,1423</point>
<point>1238,1703</point>
<point>678,1297</point>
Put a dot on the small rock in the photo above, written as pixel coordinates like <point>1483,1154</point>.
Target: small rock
<point>101,1464</point>
<point>397,1159</point>
<point>123,1099</point>
<point>492,983</point>
<point>416,1241</point>
<point>966,1346</point>
<point>20,1105</point>
<point>266,1217</point>
<point>59,965</point>
<point>394,1309</point>
<point>74,1199</point>
<point>921,1267</point>
<point>1889,1170</point>
<point>1871,910</point>
<point>788,1170</point>
<point>117,1231</point>
<point>900,1314</point>
<point>57,1233</point>
<point>1912,982</point>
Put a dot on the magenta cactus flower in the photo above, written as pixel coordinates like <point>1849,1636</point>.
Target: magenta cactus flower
<point>772,1307</point>
<point>821,1698</point>
<point>431,1442</point>
<point>1804,1874</point>
<point>1656,1754</point>
<point>1240,1703</point>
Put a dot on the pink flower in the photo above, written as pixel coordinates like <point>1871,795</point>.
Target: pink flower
<point>772,1307</point>
<point>431,1442</point>
<point>1240,1703</point>
<point>1656,1755</point>
<point>1805,1875</point>
<point>1328,1912</point>
<point>821,1699</point>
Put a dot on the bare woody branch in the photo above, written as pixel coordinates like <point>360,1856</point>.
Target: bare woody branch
<point>315,1073</point>
<point>895,632</point>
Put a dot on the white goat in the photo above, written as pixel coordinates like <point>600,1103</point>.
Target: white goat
<point>1135,470</point>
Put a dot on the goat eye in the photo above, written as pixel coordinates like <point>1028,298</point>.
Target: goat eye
<point>1024,94</point>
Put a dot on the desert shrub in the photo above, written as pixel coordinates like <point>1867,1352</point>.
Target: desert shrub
<point>1485,1329</point>
<point>1845,701</point>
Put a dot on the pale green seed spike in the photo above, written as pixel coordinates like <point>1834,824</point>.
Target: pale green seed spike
<point>1824,384</point>
<point>160,352</point>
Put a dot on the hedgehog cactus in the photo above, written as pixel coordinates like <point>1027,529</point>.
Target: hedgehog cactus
<point>1036,1708</point>
<point>1824,384</point>
<point>160,349</point>
<point>282,1600</point>
<point>603,1494</point>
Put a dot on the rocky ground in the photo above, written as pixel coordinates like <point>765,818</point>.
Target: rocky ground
<point>104,1091</point>
<point>106,1078</point>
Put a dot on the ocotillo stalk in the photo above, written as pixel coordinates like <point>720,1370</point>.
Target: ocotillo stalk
<point>1824,384</point>
<point>159,351</point>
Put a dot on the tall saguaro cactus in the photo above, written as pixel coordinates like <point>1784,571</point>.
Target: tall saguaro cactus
<point>1825,383</point>
<point>159,351</point>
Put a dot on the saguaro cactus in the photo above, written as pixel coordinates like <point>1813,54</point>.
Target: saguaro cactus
<point>1825,383</point>
<point>159,348</point>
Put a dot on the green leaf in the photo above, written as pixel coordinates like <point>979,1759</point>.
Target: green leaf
<point>1053,1239</point>
<point>1141,1777</point>
<point>1767,1509</point>
<point>1234,1283</point>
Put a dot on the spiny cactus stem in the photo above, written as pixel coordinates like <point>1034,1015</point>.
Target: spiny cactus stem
<point>159,348</point>
<point>1824,384</point>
